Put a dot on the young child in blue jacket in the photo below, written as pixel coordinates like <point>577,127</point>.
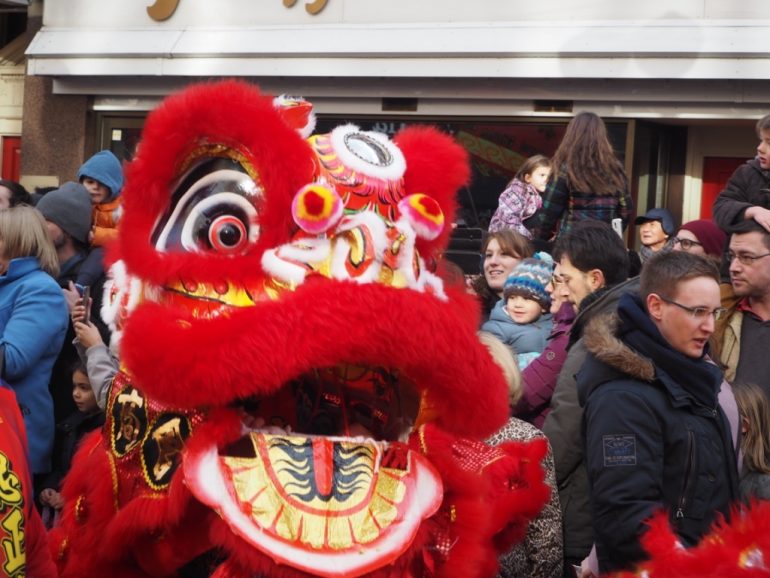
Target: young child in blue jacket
<point>521,319</point>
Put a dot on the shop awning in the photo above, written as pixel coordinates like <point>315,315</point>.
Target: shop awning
<point>672,49</point>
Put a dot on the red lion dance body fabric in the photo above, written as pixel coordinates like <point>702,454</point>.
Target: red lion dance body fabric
<point>302,394</point>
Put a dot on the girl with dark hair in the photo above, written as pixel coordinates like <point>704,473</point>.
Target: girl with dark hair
<point>521,198</point>
<point>86,418</point>
<point>588,181</point>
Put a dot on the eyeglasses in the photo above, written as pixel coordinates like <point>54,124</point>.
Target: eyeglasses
<point>556,280</point>
<point>686,243</point>
<point>745,259</point>
<point>699,313</point>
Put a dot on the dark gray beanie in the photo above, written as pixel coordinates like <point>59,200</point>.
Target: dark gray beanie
<point>69,206</point>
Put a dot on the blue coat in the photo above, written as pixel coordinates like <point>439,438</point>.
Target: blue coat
<point>33,321</point>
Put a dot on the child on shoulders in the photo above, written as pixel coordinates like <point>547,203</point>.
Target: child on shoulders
<point>521,199</point>
<point>521,319</point>
<point>102,176</point>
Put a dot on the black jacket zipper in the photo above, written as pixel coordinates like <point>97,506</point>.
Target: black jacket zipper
<point>687,475</point>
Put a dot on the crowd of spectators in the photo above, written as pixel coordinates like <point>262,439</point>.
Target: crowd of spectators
<point>652,387</point>
<point>51,274</point>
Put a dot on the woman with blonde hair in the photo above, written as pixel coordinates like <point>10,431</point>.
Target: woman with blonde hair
<point>541,552</point>
<point>33,321</point>
<point>754,411</point>
<point>588,181</point>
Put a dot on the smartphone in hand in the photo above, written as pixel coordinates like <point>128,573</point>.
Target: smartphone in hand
<point>85,301</point>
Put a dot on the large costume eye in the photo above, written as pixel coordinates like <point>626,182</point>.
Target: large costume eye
<point>214,209</point>
<point>227,234</point>
<point>369,149</point>
<point>368,153</point>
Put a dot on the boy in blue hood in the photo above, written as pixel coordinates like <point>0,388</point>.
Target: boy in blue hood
<point>102,176</point>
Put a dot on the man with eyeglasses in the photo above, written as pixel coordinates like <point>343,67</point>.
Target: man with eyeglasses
<point>701,237</point>
<point>743,334</point>
<point>655,436</point>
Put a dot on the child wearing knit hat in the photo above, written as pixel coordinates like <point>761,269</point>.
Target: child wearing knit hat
<point>521,319</point>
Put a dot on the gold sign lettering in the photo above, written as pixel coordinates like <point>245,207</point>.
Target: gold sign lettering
<point>311,7</point>
<point>130,422</point>
<point>170,444</point>
<point>162,9</point>
<point>13,546</point>
<point>10,487</point>
<point>13,522</point>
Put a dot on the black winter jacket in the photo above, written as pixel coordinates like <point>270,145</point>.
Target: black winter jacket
<point>654,434</point>
<point>748,186</point>
<point>69,432</point>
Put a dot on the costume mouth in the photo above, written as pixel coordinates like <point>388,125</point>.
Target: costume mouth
<point>310,397</point>
<point>313,500</point>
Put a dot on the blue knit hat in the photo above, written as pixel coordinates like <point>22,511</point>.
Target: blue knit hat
<point>529,279</point>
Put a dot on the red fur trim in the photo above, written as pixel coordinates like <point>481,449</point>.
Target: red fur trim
<point>492,505</point>
<point>186,362</point>
<point>738,549</point>
<point>516,506</point>
<point>230,113</point>
<point>422,147</point>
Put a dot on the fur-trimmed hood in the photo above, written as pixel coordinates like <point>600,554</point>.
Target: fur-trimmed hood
<point>610,358</point>
<point>626,345</point>
<point>602,341</point>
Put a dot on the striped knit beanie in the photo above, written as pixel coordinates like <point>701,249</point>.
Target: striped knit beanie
<point>529,279</point>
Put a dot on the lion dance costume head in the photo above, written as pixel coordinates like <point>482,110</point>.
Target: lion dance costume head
<point>300,394</point>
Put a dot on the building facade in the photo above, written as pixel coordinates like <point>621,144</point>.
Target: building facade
<point>680,86</point>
